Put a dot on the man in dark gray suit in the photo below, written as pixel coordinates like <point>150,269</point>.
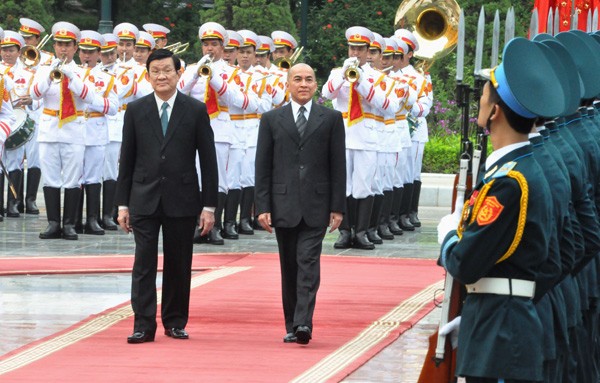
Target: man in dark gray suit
<point>300,190</point>
<point>158,187</point>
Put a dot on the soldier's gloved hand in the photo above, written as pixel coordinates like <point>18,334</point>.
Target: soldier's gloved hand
<point>204,60</point>
<point>55,63</point>
<point>351,61</point>
<point>452,328</point>
<point>68,72</point>
<point>447,224</point>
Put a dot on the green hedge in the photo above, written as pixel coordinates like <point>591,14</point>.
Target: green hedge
<point>441,154</point>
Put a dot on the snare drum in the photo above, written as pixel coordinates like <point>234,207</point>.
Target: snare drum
<point>23,131</point>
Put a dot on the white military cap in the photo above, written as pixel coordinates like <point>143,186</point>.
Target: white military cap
<point>359,36</point>
<point>249,38</point>
<point>390,47</point>
<point>145,40</point>
<point>283,39</point>
<point>1,33</point>
<point>235,40</point>
<point>156,30</point>
<point>265,45</point>
<point>30,27</point>
<point>90,40</point>
<point>212,30</point>
<point>64,31</point>
<point>401,46</point>
<point>110,42</point>
<point>378,42</point>
<point>126,31</point>
<point>12,38</point>
<point>407,36</point>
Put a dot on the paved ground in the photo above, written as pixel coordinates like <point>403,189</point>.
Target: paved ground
<point>32,307</point>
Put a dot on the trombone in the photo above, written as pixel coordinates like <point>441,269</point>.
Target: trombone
<point>30,55</point>
<point>56,75</point>
<point>286,63</point>
<point>180,48</point>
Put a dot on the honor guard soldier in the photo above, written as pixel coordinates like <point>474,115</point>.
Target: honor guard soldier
<point>285,46</point>
<point>10,46</point>
<point>256,86</point>
<point>213,81</point>
<point>108,56</point>
<point>128,35</point>
<point>6,121</point>
<point>96,128</point>
<point>144,45</point>
<point>498,242</point>
<point>420,110</point>
<point>32,34</point>
<point>230,51</point>
<point>159,33</point>
<point>353,91</point>
<point>384,121</point>
<point>277,77</point>
<point>403,171</point>
<point>62,130</point>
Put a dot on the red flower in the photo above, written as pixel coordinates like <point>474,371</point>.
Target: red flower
<point>334,58</point>
<point>189,5</point>
<point>172,24</point>
<point>329,26</point>
<point>379,13</point>
<point>167,18</point>
<point>330,1</point>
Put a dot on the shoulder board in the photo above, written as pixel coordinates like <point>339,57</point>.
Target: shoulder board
<point>503,171</point>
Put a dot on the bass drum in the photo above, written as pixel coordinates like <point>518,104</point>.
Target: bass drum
<point>23,131</point>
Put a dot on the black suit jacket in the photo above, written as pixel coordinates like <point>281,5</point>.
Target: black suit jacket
<point>154,168</point>
<point>301,178</point>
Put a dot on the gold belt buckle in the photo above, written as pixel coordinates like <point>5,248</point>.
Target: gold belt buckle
<point>86,114</point>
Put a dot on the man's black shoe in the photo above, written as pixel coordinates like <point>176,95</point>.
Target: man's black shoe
<point>141,337</point>
<point>289,338</point>
<point>177,333</point>
<point>303,335</point>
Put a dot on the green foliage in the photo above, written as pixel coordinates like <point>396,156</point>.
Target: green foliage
<point>259,16</point>
<point>441,154</point>
<point>38,10</point>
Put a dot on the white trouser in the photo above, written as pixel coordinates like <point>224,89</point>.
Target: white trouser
<point>402,170</point>
<point>93,164</point>
<point>62,164</point>
<point>377,185</point>
<point>234,168</point>
<point>361,166</point>
<point>417,149</point>
<point>222,149</point>
<point>32,150</point>
<point>13,159</point>
<point>248,168</point>
<point>111,160</point>
<point>388,168</point>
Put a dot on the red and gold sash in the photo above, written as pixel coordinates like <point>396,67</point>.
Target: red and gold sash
<point>355,111</point>
<point>67,111</point>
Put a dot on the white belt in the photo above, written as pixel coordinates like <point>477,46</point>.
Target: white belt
<point>503,286</point>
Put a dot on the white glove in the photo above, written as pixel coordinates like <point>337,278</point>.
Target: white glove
<point>452,328</point>
<point>55,62</point>
<point>447,224</point>
<point>66,70</point>
<point>203,60</point>
<point>351,61</point>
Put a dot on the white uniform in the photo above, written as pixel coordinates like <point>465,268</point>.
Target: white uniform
<point>7,118</point>
<point>403,169</point>
<point>361,134</point>
<point>106,103</point>
<point>228,95</point>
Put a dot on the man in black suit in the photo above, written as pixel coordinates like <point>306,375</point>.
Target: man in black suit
<point>158,187</point>
<point>300,190</point>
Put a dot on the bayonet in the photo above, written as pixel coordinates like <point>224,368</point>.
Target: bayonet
<point>574,17</point>
<point>479,43</point>
<point>509,26</point>
<point>533,24</point>
<point>588,26</point>
<point>550,23</point>
<point>495,40</point>
<point>595,20</point>
<point>556,28</point>
<point>460,48</point>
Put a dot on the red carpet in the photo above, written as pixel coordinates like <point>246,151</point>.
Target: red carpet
<point>236,328</point>
<point>83,264</point>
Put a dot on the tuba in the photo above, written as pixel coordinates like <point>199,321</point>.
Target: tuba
<point>434,24</point>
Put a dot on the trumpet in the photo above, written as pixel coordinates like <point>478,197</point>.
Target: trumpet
<point>286,63</point>
<point>204,69</point>
<point>56,75</point>
<point>351,73</point>
<point>30,55</point>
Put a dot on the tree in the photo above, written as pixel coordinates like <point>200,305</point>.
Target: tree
<point>38,10</point>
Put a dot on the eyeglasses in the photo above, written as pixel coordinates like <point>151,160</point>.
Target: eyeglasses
<point>167,72</point>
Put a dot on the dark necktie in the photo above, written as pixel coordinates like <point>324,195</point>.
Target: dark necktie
<point>164,117</point>
<point>301,121</point>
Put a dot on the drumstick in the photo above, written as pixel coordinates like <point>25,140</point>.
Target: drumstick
<point>10,184</point>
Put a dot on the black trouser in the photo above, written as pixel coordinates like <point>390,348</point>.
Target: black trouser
<point>495,380</point>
